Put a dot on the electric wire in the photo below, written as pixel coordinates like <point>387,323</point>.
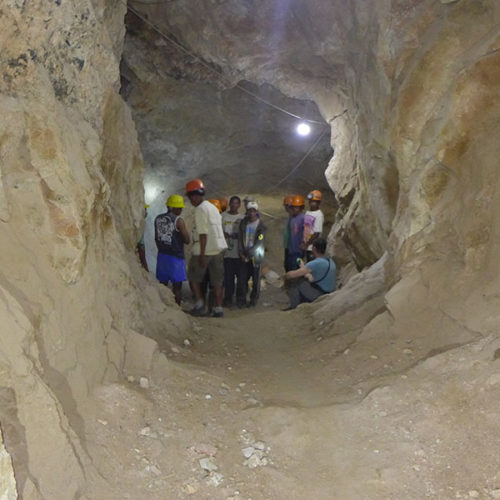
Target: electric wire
<point>217,72</point>
<point>251,94</point>
<point>303,159</point>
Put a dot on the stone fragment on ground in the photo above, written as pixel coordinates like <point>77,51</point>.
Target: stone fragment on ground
<point>256,451</point>
<point>205,449</point>
<point>215,479</point>
<point>208,464</point>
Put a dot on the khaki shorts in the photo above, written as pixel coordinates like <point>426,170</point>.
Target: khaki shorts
<point>215,267</point>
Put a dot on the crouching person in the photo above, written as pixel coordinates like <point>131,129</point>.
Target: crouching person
<point>318,277</point>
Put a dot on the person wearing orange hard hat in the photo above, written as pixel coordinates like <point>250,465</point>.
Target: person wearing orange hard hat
<point>223,204</point>
<point>295,244</point>
<point>171,235</point>
<point>208,248</point>
<point>313,222</point>
<point>216,204</point>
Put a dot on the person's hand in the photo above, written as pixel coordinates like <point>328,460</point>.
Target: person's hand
<point>202,261</point>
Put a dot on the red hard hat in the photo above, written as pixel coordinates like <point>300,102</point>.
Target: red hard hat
<point>195,186</point>
<point>297,201</point>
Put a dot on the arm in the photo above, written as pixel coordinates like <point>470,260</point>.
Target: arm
<point>313,237</point>
<point>181,226</point>
<point>241,242</point>
<point>201,222</point>
<point>203,245</point>
<point>298,273</point>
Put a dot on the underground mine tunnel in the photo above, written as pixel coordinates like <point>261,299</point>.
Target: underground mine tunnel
<point>387,388</point>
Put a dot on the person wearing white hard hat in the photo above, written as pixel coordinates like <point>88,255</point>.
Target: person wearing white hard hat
<point>251,249</point>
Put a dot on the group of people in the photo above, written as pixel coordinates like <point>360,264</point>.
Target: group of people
<point>310,272</point>
<point>228,249</point>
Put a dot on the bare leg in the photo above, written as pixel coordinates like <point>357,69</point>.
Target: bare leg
<point>218,296</point>
<point>177,288</point>
<point>196,287</point>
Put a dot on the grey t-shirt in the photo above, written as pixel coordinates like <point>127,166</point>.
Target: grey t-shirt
<point>231,226</point>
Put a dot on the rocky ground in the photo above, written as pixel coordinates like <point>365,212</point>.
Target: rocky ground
<point>265,404</point>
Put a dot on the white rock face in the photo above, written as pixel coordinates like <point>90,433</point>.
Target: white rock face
<point>68,227</point>
<point>7,481</point>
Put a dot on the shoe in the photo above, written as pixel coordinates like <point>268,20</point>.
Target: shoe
<point>252,303</point>
<point>241,305</point>
<point>289,308</point>
<point>217,314</point>
<point>197,311</point>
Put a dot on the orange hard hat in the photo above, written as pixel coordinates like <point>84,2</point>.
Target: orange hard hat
<point>297,201</point>
<point>223,204</point>
<point>216,203</point>
<point>314,195</point>
<point>195,186</point>
<point>287,200</point>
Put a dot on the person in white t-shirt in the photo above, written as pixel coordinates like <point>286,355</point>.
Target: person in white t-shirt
<point>252,246</point>
<point>232,262</point>
<point>207,253</point>
<point>313,222</point>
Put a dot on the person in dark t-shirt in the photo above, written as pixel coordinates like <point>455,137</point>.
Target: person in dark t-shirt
<point>171,235</point>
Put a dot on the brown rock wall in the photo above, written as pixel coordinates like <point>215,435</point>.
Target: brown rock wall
<point>70,286</point>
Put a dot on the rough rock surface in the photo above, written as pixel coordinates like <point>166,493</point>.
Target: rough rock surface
<point>410,89</point>
<point>402,84</point>
<point>7,482</point>
<point>68,227</point>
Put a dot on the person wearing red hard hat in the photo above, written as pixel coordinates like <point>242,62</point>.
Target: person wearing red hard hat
<point>208,248</point>
<point>313,222</point>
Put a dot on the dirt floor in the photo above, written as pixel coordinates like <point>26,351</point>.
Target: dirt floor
<point>264,404</point>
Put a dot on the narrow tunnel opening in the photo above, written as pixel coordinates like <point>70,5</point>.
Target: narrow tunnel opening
<point>240,138</point>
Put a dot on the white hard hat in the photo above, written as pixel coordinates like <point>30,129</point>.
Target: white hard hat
<point>252,204</point>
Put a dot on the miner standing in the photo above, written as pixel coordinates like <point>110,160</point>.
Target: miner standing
<point>208,248</point>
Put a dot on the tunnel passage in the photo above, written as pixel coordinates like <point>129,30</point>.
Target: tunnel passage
<point>239,137</point>
<point>409,92</point>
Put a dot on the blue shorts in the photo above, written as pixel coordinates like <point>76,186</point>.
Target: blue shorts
<point>170,268</point>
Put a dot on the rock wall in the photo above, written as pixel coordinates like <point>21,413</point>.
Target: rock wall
<point>71,293</point>
<point>384,74</point>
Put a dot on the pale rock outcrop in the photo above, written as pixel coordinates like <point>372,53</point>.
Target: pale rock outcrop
<point>7,481</point>
<point>70,289</point>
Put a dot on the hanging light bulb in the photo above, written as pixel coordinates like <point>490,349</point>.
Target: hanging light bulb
<point>303,129</point>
